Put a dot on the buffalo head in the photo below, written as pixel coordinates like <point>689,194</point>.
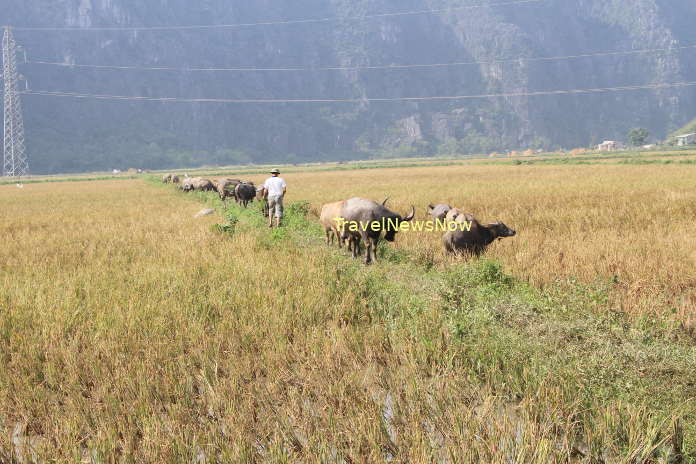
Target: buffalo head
<point>501,230</point>
<point>393,226</point>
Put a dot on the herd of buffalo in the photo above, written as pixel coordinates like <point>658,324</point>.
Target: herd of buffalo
<point>242,192</point>
<point>358,220</point>
<point>352,222</point>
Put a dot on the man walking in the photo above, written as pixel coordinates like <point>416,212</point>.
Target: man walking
<point>275,190</point>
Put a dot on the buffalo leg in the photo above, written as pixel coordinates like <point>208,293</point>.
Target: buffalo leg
<point>368,248</point>
<point>355,244</point>
<point>374,249</point>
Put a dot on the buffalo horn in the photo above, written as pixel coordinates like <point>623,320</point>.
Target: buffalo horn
<point>412,215</point>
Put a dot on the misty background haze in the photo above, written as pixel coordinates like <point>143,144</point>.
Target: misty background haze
<point>75,135</point>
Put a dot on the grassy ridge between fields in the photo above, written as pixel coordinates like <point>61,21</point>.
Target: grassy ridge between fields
<point>497,371</point>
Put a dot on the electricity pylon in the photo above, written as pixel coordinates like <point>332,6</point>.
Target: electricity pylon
<point>15,162</point>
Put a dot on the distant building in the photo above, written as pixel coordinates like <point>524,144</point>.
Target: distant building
<point>608,145</point>
<point>686,139</point>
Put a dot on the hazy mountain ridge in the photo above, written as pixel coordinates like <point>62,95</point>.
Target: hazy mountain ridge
<point>73,135</point>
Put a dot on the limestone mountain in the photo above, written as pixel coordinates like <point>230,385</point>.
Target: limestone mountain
<point>491,42</point>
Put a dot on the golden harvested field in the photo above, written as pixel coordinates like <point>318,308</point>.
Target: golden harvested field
<point>593,223</point>
<point>131,332</point>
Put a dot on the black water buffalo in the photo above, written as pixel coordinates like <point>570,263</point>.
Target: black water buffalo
<point>364,220</point>
<point>438,212</point>
<point>245,193</point>
<point>473,239</point>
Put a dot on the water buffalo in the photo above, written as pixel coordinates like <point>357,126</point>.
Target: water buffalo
<point>475,238</point>
<point>196,183</point>
<point>329,213</point>
<point>262,197</point>
<point>175,179</point>
<point>464,218</point>
<point>186,185</point>
<point>438,212</point>
<point>452,214</point>
<point>202,185</point>
<point>364,220</point>
<point>245,193</point>
<point>167,178</point>
<point>225,187</point>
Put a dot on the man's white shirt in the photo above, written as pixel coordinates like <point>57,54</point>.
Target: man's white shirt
<point>274,186</point>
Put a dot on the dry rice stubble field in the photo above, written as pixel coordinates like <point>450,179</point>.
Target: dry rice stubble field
<point>131,331</point>
<point>631,225</point>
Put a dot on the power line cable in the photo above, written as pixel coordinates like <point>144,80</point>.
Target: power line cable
<point>358,68</point>
<point>275,23</point>
<point>361,100</point>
